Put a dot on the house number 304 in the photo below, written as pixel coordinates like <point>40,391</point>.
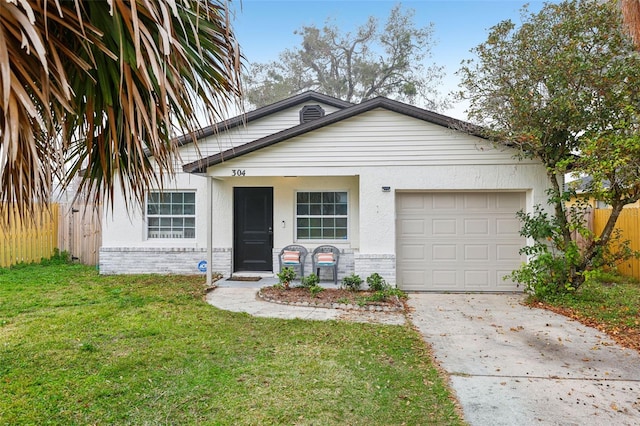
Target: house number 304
<point>238,172</point>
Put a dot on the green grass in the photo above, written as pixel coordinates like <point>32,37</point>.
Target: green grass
<point>80,348</point>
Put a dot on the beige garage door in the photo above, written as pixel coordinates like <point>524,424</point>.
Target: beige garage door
<point>459,241</point>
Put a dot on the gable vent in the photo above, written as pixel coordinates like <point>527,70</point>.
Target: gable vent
<point>310,113</point>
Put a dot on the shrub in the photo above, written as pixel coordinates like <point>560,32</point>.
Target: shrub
<point>315,290</point>
<point>384,295</point>
<point>287,275</point>
<point>557,265</point>
<point>352,282</point>
<point>395,292</point>
<point>310,281</point>
<point>376,282</point>
<point>60,257</point>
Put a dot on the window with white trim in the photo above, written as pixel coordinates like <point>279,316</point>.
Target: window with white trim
<point>171,215</point>
<point>322,215</point>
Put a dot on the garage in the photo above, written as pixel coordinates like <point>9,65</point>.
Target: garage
<point>458,241</point>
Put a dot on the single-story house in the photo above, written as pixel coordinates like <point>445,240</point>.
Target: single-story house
<point>418,197</point>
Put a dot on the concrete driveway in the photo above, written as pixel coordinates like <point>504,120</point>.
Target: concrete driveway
<point>514,365</point>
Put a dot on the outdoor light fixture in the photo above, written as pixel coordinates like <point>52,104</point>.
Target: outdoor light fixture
<point>386,188</point>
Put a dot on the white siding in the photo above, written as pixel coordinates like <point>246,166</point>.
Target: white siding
<point>377,138</point>
<point>240,135</point>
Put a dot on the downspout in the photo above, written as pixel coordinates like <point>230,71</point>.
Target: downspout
<point>209,230</point>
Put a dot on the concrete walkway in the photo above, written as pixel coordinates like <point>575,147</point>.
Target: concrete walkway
<point>243,299</point>
<point>508,364</point>
<point>514,365</point>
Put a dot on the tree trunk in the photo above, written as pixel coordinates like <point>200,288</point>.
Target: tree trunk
<point>559,207</point>
<point>603,239</point>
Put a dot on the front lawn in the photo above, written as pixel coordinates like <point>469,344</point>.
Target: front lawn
<point>80,348</point>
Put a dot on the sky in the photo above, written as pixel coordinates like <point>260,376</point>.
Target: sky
<point>265,28</point>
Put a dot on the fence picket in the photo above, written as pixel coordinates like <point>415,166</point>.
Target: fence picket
<point>629,225</point>
<point>80,231</point>
<point>27,241</point>
<point>38,237</point>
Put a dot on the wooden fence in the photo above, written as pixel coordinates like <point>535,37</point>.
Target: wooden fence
<point>629,225</point>
<point>80,232</point>
<point>75,229</point>
<point>28,241</point>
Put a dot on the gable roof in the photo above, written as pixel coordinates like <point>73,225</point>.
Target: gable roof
<point>582,185</point>
<point>242,119</point>
<point>200,166</point>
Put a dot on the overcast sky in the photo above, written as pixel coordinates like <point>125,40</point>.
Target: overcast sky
<point>264,28</point>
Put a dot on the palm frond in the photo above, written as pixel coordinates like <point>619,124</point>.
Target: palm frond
<point>105,85</point>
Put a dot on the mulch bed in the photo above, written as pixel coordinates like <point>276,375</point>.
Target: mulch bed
<point>330,298</point>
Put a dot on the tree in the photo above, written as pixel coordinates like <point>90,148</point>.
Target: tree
<point>105,85</point>
<point>563,89</point>
<point>373,61</point>
<point>631,15</point>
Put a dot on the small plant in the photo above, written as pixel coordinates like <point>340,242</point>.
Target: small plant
<point>361,301</point>
<point>376,282</point>
<point>396,292</point>
<point>58,258</point>
<point>310,281</point>
<point>378,296</point>
<point>87,347</point>
<point>315,290</point>
<point>352,282</point>
<point>286,276</point>
<point>386,294</point>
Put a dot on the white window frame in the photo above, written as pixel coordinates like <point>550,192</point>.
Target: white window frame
<point>313,216</point>
<point>163,225</point>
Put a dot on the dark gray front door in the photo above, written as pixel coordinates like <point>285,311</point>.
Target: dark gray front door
<point>253,229</point>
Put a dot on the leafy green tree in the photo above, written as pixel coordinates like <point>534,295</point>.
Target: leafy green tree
<point>373,61</point>
<point>105,85</point>
<point>563,89</point>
